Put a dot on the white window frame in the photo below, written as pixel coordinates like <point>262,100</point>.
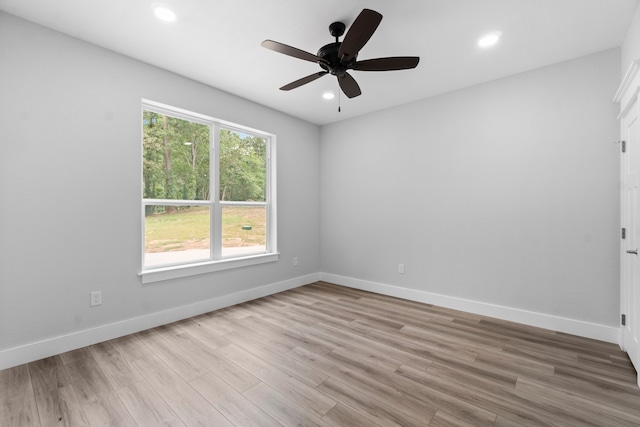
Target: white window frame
<point>216,261</point>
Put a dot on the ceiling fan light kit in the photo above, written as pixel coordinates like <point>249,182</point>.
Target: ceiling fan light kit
<point>339,57</point>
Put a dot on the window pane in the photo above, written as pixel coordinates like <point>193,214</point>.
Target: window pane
<point>243,170</point>
<point>243,230</point>
<point>176,234</point>
<point>175,158</point>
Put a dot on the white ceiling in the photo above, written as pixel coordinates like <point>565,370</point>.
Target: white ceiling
<point>217,42</point>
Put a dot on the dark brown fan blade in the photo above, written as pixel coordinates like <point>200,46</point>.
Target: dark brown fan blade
<point>387,64</point>
<point>359,34</point>
<point>304,80</point>
<point>349,85</point>
<point>291,51</point>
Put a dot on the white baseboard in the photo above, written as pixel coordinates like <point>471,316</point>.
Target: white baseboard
<point>541,320</point>
<point>53,346</point>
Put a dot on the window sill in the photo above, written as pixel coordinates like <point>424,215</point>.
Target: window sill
<point>178,271</point>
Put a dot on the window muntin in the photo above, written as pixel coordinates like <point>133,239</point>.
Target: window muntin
<point>206,190</point>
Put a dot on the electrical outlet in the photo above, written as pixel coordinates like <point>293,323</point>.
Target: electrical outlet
<point>400,268</point>
<point>96,298</point>
<point>295,261</point>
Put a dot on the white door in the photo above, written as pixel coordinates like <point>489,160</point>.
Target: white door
<point>631,244</point>
<point>630,213</point>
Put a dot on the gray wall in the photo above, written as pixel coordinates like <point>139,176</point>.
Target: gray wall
<point>504,193</point>
<point>70,186</point>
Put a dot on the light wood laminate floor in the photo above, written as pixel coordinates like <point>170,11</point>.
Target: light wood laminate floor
<point>325,355</point>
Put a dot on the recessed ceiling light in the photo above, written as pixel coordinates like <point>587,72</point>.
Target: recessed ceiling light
<point>328,95</point>
<point>164,13</point>
<point>489,39</point>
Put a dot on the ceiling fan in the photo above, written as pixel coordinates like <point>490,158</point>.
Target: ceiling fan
<point>339,57</point>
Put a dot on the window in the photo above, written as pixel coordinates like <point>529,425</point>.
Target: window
<point>208,199</point>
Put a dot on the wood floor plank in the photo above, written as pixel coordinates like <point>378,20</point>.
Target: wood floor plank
<point>164,344</point>
<point>507,328</point>
<point>513,364</point>
<point>469,341</point>
<point>233,405</point>
<point>375,410</point>
<point>604,363</point>
<point>607,414</point>
<point>60,407</point>
<point>205,335</point>
<point>297,298</point>
<point>510,403</point>
<point>623,399</point>
<point>88,379</point>
<point>358,362</point>
<point>287,320</point>
<point>238,378</point>
<point>404,357</point>
<point>365,382</point>
<point>292,329</point>
<point>269,333</point>
<point>108,411</point>
<point>442,419</point>
<point>288,365</point>
<point>343,415</point>
<point>472,396</point>
<point>195,340</point>
<point>418,397</point>
<point>297,391</point>
<point>48,375</point>
<point>285,411</point>
<point>357,346</point>
<point>115,366</point>
<point>187,403</point>
<point>75,355</point>
<point>430,351</point>
<point>217,321</point>
<point>590,375</point>
<point>481,376</point>
<point>391,312</point>
<point>433,396</point>
<point>237,311</point>
<point>147,407</point>
<point>332,291</point>
<point>318,316</point>
<point>317,361</point>
<point>131,347</point>
<point>366,314</point>
<point>540,353</point>
<point>506,422</point>
<point>17,399</point>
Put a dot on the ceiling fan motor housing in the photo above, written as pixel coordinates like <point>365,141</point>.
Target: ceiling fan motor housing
<point>330,60</point>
